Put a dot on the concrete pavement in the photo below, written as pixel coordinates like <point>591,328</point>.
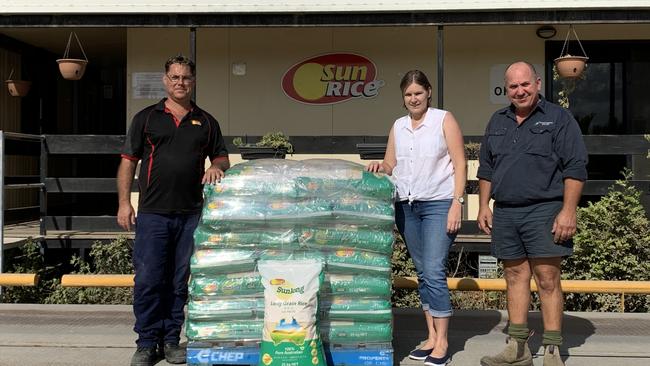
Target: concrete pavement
<point>102,335</point>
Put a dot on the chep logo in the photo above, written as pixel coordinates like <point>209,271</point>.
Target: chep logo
<point>331,78</point>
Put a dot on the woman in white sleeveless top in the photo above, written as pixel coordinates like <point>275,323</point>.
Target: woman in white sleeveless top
<point>425,155</point>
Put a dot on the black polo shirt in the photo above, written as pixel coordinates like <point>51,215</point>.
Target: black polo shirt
<point>173,157</point>
<point>528,163</point>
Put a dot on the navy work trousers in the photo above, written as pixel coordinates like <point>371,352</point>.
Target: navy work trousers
<point>161,257</point>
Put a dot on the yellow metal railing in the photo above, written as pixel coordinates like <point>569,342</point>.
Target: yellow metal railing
<point>455,284</point>
<point>18,279</point>
<point>97,280</point>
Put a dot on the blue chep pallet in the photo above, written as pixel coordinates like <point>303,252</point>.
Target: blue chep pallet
<point>368,355</point>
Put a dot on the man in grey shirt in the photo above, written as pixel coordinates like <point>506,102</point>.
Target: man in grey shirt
<point>533,164</point>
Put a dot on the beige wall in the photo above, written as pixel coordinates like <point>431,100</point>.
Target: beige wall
<point>147,49</point>
<point>254,104</point>
<point>470,52</point>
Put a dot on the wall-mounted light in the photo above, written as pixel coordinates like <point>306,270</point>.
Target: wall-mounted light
<point>546,32</point>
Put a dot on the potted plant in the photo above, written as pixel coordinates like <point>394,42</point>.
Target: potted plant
<point>72,68</point>
<point>17,88</point>
<point>272,145</point>
<point>567,65</point>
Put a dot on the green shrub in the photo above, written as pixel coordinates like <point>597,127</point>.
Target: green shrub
<point>612,243</point>
<point>472,150</point>
<point>403,267</point>
<point>110,258</point>
<point>276,140</point>
<point>30,260</point>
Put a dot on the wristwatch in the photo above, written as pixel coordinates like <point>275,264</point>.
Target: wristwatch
<point>460,199</point>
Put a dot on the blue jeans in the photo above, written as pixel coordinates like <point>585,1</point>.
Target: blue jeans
<point>423,225</point>
<point>161,257</point>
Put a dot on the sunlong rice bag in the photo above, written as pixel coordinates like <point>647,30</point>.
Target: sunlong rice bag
<point>258,210</point>
<point>225,308</point>
<point>357,261</point>
<point>231,284</point>
<point>346,236</point>
<point>354,309</point>
<point>220,330</point>
<point>214,261</point>
<point>275,238</point>
<point>360,285</point>
<point>291,335</point>
<point>353,332</point>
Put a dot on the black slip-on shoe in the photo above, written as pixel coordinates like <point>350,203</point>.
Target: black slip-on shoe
<point>420,354</point>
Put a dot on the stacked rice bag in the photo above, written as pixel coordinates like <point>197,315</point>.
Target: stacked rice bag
<point>328,210</point>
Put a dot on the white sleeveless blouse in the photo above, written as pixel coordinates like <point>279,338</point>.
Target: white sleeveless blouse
<point>424,171</point>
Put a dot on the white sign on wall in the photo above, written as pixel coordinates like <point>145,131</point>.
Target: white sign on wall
<point>147,85</point>
<point>497,90</point>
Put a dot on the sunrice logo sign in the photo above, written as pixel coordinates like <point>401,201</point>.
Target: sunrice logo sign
<point>332,78</point>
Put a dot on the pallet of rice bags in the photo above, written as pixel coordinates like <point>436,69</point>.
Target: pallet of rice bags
<point>291,335</point>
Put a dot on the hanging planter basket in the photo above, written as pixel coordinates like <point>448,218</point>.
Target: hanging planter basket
<point>72,68</point>
<point>567,65</point>
<point>17,88</point>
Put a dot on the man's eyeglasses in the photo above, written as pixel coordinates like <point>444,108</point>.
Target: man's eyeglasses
<point>180,79</point>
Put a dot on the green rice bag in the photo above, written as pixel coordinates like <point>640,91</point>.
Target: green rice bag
<point>232,284</point>
<point>271,238</point>
<point>351,208</point>
<point>211,261</point>
<point>232,330</point>
<point>242,185</point>
<point>360,183</point>
<point>350,236</point>
<point>256,210</point>
<point>346,332</point>
<point>365,309</point>
<point>358,285</point>
<point>357,261</point>
<point>226,309</point>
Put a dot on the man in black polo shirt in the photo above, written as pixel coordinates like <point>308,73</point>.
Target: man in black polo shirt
<point>172,139</point>
<point>533,164</point>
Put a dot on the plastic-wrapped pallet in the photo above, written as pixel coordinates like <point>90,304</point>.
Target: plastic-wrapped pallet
<point>274,209</point>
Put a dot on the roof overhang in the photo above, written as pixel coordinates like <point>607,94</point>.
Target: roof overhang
<point>289,13</point>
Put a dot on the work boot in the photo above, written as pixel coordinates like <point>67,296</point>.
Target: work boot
<point>516,353</point>
<point>552,356</point>
<point>175,353</point>
<point>145,356</point>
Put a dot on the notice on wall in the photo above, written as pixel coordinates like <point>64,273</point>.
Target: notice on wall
<point>147,85</point>
<point>497,87</point>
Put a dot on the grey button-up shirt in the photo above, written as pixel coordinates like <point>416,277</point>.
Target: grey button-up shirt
<point>528,163</point>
